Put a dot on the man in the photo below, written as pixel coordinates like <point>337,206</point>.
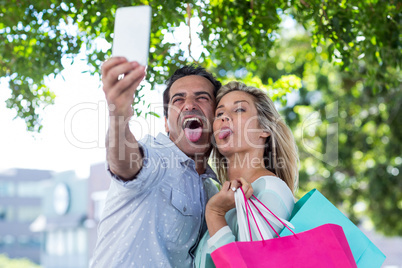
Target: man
<point>154,212</point>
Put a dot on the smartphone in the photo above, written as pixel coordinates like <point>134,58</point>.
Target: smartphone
<point>131,33</point>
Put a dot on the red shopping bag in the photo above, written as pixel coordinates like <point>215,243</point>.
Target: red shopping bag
<point>324,246</point>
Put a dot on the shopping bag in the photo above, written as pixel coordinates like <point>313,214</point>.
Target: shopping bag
<point>313,210</point>
<point>324,246</point>
<point>265,224</point>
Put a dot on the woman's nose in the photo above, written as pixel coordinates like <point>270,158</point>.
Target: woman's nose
<point>225,118</point>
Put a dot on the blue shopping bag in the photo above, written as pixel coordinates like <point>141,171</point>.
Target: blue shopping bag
<point>313,210</point>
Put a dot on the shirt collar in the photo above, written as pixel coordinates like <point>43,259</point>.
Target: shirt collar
<point>167,142</point>
<point>209,173</point>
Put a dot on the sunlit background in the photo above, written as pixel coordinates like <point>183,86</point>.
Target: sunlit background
<point>53,183</point>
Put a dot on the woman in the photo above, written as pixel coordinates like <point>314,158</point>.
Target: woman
<point>255,150</point>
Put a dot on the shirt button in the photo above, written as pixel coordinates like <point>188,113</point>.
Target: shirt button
<point>184,209</point>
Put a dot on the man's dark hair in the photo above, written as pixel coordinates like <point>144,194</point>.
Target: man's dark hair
<point>186,71</point>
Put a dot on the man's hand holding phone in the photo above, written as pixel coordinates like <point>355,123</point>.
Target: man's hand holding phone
<point>122,74</point>
<point>119,91</point>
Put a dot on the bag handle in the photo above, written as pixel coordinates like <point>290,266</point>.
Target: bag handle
<point>248,207</point>
<point>279,219</point>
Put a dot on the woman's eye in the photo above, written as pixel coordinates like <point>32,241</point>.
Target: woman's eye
<point>238,110</point>
<point>219,114</point>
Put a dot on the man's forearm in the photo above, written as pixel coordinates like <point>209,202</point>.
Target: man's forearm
<point>122,150</point>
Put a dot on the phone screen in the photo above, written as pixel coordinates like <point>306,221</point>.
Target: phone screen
<point>132,32</point>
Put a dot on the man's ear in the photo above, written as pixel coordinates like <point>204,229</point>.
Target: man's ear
<point>166,126</point>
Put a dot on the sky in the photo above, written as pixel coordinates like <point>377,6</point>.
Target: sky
<point>74,128</point>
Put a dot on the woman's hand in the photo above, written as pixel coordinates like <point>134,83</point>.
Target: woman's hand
<point>224,201</point>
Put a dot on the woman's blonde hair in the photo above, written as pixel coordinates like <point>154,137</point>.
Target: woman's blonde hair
<point>280,153</point>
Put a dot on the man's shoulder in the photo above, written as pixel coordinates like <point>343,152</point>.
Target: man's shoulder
<point>161,146</point>
<point>151,142</point>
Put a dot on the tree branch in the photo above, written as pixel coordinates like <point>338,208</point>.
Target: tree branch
<point>324,12</point>
<point>189,30</point>
<point>304,3</point>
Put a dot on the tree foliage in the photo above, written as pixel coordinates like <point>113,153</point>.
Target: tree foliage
<point>349,138</point>
<point>345,60</point>
<point>16,263</point>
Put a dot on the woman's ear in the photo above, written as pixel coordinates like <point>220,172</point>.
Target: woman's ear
<point>265,134</point>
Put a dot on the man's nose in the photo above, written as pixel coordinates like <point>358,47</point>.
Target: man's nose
<point>189,105</point>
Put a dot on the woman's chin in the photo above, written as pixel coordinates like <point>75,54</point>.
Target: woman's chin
<point>225,150</point>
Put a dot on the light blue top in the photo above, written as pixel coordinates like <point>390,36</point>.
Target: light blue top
<point>272,192</point>
<point>156,219</point>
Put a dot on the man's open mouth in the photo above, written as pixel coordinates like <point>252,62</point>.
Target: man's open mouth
<point>192,128</point>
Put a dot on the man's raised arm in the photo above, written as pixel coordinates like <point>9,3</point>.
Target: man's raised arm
<point>123,153</point>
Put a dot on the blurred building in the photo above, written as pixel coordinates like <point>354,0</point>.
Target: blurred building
<point>51,218</point>
<point>21,192</point>
<point>62,223</point>
<point>70,215</point>
<point>98,185</point>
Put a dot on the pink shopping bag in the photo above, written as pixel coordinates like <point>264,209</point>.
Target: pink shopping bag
<point>323,246</point>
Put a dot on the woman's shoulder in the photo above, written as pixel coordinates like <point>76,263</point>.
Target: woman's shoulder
<point>275,192</point>
<point>273,185</point>
<point>270,183</point>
